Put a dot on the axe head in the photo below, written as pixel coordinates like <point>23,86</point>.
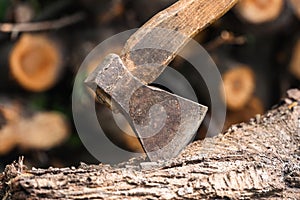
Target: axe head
<point>163,122</point>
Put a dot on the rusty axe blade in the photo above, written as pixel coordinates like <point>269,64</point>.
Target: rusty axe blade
<point>165,123</point>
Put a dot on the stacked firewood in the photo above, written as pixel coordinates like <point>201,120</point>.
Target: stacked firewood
<point>256,47</point>
<point>251,86</point>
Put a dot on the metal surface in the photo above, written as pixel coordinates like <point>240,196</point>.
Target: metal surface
<point>163,122</point>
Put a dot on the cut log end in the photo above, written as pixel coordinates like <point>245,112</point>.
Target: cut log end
<point>295,61</point>
<point>8,135</point>
<point>7,140</point>
<point>296,7</point>
<point>35,62</point>
<point>239,85</point>
<point>259,11</point>
<point>43,131</point>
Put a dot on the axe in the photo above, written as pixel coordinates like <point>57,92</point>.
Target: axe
<point>163,122</point>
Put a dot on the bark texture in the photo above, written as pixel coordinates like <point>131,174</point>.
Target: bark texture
<point>260,159</point>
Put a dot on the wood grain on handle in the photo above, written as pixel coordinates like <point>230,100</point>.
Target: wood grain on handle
<point>169,30</point>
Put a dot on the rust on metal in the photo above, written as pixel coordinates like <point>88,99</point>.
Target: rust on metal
<point>164,122</point>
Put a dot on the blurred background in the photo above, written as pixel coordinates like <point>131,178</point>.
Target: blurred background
<point>256,47</point>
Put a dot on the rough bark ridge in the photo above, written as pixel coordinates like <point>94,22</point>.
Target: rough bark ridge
<point>260,159</point>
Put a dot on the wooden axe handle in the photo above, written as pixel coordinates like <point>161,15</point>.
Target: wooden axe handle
<point>187,17</point>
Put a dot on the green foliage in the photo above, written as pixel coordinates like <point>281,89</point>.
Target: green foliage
<point>38,101</point>
<point>4,4</point>
<point>35,5</point>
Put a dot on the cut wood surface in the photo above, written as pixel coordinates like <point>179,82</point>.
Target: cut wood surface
<point>259,11</point>
<point>296,7</point>
<point>239,85</point>
<point>295,60</point>
<point>39,130</point>
<point>36,62</point>
<point>44,131</point>
<point>9,115</point>
<point>259,159</point>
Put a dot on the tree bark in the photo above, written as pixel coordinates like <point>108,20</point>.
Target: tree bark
<point>259,159</point>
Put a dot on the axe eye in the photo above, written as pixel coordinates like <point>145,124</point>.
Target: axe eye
<point>103,97</point>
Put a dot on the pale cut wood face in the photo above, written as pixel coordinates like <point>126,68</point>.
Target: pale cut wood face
<point>259,11</point>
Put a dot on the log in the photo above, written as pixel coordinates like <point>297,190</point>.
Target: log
<point>239,85</point>
<point>7,140</point>
<point>43,131</point>
<point>36,62</point>
<point>253,108</point>
<point>294,67</point>
<point>37,130</point>
<point>259,11</point>
<point>10,115</point>
<point>296,7</point>
<point>257,160</point>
